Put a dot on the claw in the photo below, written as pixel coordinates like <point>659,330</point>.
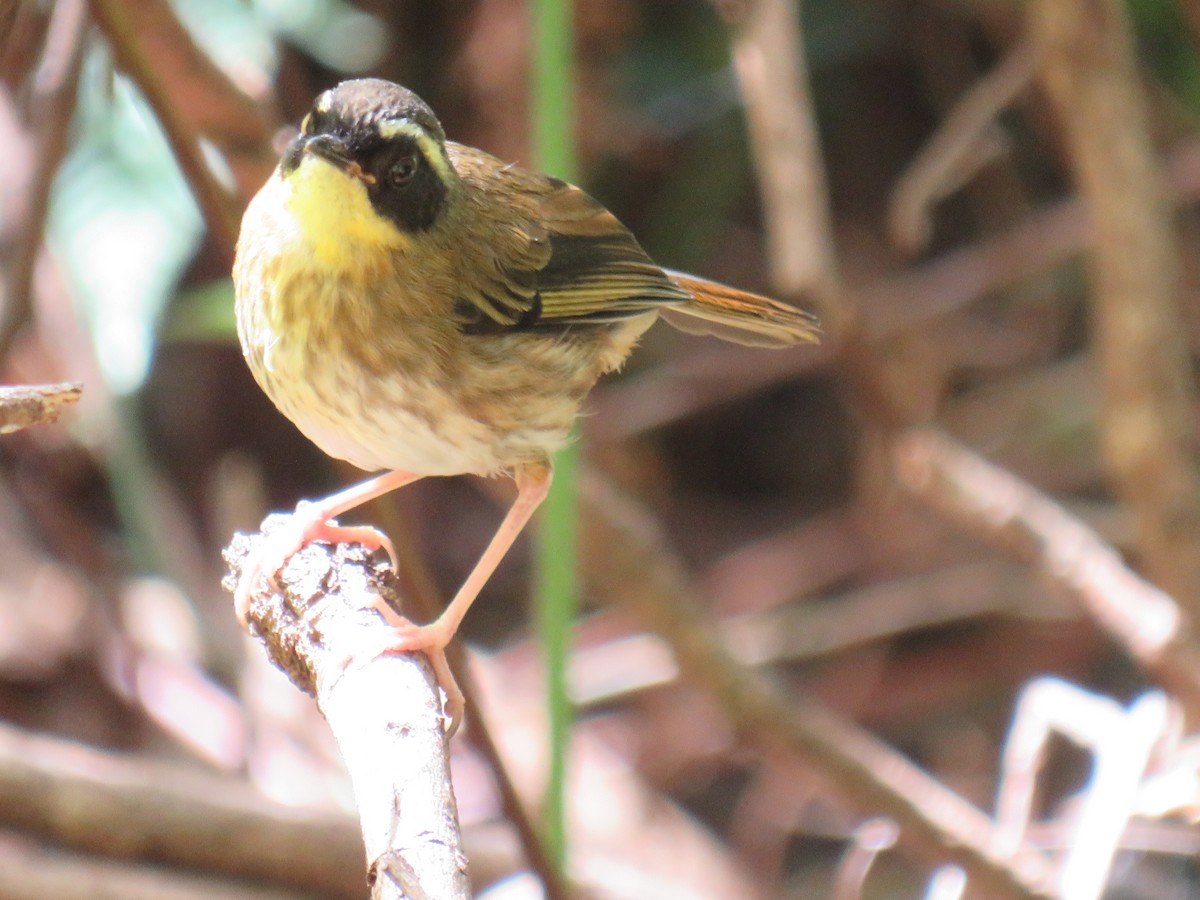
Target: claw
<point>405,636</point>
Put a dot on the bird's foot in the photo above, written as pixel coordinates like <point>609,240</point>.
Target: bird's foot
<point>308,524</point>
<point>404,636</point>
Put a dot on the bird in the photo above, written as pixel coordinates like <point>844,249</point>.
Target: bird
<point>418,307</point>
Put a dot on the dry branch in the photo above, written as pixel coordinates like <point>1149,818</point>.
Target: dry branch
<point>32,872</point>
<point>1088,70</point>
<point>215,106</point>
<point>1011,514</point>
<point>768,55</point>
<point>24,405</point>
<point>217,207</point>
<point>955,149</point>
<point>48,111</point>
<point>385,710</point>
<point>136,808</point>
<point>425,601</point>
<point>631,564</point>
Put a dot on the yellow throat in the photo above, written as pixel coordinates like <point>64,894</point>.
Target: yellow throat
<point>334,218</point>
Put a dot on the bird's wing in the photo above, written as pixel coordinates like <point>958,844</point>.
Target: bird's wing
<point>557,257</point>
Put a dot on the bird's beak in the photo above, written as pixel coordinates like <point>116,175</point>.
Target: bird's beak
<point>334,151</point>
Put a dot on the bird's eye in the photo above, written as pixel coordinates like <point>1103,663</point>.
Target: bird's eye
<point>404,169</point>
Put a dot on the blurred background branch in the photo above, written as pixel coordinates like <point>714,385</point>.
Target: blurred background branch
<point>1087,68</point>
<point>123,36</point>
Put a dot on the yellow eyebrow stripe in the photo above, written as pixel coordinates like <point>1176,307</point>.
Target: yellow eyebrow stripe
<point>431,148</point>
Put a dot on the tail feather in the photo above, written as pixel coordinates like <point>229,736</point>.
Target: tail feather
<point>738,316</point>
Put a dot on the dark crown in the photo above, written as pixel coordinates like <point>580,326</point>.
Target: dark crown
<point>355,108</point>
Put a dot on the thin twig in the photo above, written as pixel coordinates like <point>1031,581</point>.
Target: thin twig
<point>480,737</point>
<point>1088,70</point>
<point>768,56</point>
<point>25,405</point>
<point>49,109</point>
<point>954,150</point>
<point>215,203</point>
<point>632,566</point>
<point>1013,515</point>
<point>1122,741</point>
<point>871,838</point>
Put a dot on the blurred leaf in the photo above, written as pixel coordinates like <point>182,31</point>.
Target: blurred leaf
<point>122,221</point>
<point>232,32</point>
<point>202,314</point>
<point>334,32</point>
<point>1168,46</point>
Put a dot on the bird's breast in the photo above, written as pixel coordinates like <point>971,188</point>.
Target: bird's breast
<point>363,361</point>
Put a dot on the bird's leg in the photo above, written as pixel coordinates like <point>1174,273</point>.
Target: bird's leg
<point>311,522</point>
<point>532,485</point>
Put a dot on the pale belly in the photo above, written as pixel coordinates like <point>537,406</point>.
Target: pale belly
<point>491,404</point>
<point>382,430</point>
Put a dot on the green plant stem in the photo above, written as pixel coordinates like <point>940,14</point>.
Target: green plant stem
<point>557,578</point>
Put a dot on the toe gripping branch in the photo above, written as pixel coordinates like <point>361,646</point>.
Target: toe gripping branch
<point>329,609</point>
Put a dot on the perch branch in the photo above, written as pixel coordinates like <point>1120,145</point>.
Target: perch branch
<point>1088,71</point>
<point>425,601</point>
<point>385,710</point>
<point>1014,516</point>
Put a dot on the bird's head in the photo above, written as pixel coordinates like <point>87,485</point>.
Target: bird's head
<point>369,165</point>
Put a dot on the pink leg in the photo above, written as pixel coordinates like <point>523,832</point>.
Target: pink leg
<point>310,523</point>
<point>532,486</point>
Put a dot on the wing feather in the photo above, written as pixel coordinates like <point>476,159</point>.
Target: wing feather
<point>558,256</point>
